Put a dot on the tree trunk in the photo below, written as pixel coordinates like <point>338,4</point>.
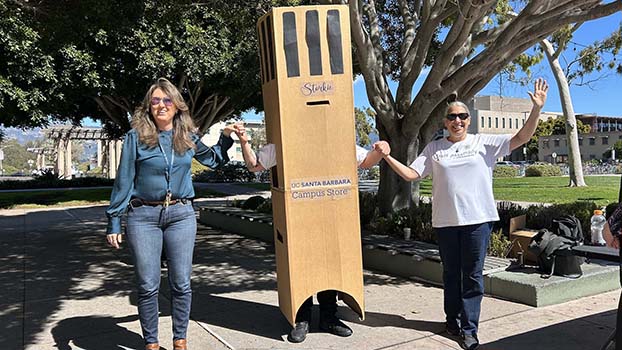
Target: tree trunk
<point>572,132</point>
<point>395,193</point>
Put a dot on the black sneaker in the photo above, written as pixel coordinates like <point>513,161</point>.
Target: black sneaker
<point>452,330</point>
<point>469,342</point>
<point>334,325</point>
<point>299,333</point>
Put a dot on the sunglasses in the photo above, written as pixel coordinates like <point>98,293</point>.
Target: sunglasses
<point>453,116</point>
<point>156,101</point>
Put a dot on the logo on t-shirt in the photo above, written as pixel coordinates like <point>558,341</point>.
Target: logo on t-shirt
<point>455,152</point>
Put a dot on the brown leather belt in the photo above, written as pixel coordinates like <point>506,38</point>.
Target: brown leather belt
<point>137,202</point>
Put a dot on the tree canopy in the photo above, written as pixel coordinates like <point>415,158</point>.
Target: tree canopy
<point>97,59</point>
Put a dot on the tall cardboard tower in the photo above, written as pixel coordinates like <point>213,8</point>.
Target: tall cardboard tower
<point>306,72</point>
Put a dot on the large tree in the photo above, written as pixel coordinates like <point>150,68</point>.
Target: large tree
<point>104,54</point>
<point>464,44</point>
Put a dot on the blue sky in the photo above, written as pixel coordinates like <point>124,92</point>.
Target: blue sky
<point>602,99</point>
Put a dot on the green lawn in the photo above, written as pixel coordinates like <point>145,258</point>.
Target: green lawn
<point>601,189</point>
<point>68,198</point>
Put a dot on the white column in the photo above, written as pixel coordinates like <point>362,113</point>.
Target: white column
<point>99,153</point>
<point>112,167</point>
<point>59,167</point>
<point>68,172</point>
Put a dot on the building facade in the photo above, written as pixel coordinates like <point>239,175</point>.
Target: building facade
<point>604,132</point>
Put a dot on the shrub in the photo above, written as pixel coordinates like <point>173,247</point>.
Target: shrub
<point>368,206</point>
<point>230,172</point>
<point>253,202</point>
<point>499,245</point>
<point>265,207</point>
<point>543,170</point>
<point>505,171</point>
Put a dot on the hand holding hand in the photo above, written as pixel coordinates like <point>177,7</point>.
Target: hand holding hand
<point>115,239</point>
<point>538,97</point>
<point>382,147</point>
<point>229,129</point>
<point>240,131</point>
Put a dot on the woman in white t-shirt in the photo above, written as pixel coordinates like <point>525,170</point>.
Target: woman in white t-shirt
<point>266,159</point>
<point>463,206</point>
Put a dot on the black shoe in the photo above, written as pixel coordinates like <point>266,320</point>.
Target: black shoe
<point>452,330</point>
<point>334,325</point>
<point>299,333</point>
<point>469,342</point>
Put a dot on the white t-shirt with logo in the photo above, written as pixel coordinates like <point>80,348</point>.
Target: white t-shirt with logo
<point>462,178</point>
<point>266,156</point>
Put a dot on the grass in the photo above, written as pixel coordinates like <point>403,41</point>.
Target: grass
<point>600,189</point>
<point>68,198</point>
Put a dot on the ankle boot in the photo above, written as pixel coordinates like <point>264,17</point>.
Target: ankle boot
<point>152,346</point>
<point>180,344</point>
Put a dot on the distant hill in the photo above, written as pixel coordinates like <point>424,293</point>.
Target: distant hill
<point>23,136</point>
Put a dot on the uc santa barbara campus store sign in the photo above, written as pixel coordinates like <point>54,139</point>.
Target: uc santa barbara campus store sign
<point>318,189</point>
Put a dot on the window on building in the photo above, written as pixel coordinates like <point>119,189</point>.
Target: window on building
<point>592,141</point>
<point>523,121</point>
<point>482,122</point>
<point>580,141</point>
<point>503,123</point>
<point>545,144</point>
<point>619,137</point>
<point>556,143</point>
<point>238,149</point>
<point>510,122</point>
<point>497,122</point>
<point>489,122</point>
<point>516,120</point>
<point>605,140</point>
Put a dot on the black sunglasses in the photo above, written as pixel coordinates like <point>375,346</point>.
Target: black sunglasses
<point>453,116</point>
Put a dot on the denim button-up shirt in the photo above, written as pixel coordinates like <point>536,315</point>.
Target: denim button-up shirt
<point>142,171</point>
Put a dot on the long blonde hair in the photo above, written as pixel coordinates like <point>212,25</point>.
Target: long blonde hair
<point>183,125</point>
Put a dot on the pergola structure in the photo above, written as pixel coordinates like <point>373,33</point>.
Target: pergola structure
<point>108,150</point>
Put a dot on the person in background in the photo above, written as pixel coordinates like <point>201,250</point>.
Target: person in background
<point>154,187</point>
<point>329,322</point>
<point>463,206</point>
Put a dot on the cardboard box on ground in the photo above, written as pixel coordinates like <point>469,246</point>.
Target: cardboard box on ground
<point>520,238</point>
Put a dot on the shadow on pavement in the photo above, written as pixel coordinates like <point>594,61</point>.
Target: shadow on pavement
<point>116,336</point>
<point>564,335</point>
<point>49,258</point>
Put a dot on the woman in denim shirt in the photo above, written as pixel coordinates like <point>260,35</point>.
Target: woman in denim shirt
<point>154,187</point>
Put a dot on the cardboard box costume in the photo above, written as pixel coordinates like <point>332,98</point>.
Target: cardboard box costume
<point>306,72</point>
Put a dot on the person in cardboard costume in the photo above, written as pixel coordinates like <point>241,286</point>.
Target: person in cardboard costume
<point>329,322</point>
<point>464,208</point>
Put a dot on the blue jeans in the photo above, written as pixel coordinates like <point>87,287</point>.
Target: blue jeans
<point>463,249</point>
<point>148,230</point>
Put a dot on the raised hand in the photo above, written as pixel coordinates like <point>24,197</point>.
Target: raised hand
<point>538,97</point>
<point>228,129</point>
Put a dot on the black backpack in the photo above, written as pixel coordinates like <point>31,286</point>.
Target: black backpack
<point>554,248</point>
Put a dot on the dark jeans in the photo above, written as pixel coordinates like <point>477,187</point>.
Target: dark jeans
<point>328,306</point>
<point>148,230</point>
<point>463,249</point>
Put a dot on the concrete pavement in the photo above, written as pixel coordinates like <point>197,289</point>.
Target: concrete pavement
<point>62,287</point>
